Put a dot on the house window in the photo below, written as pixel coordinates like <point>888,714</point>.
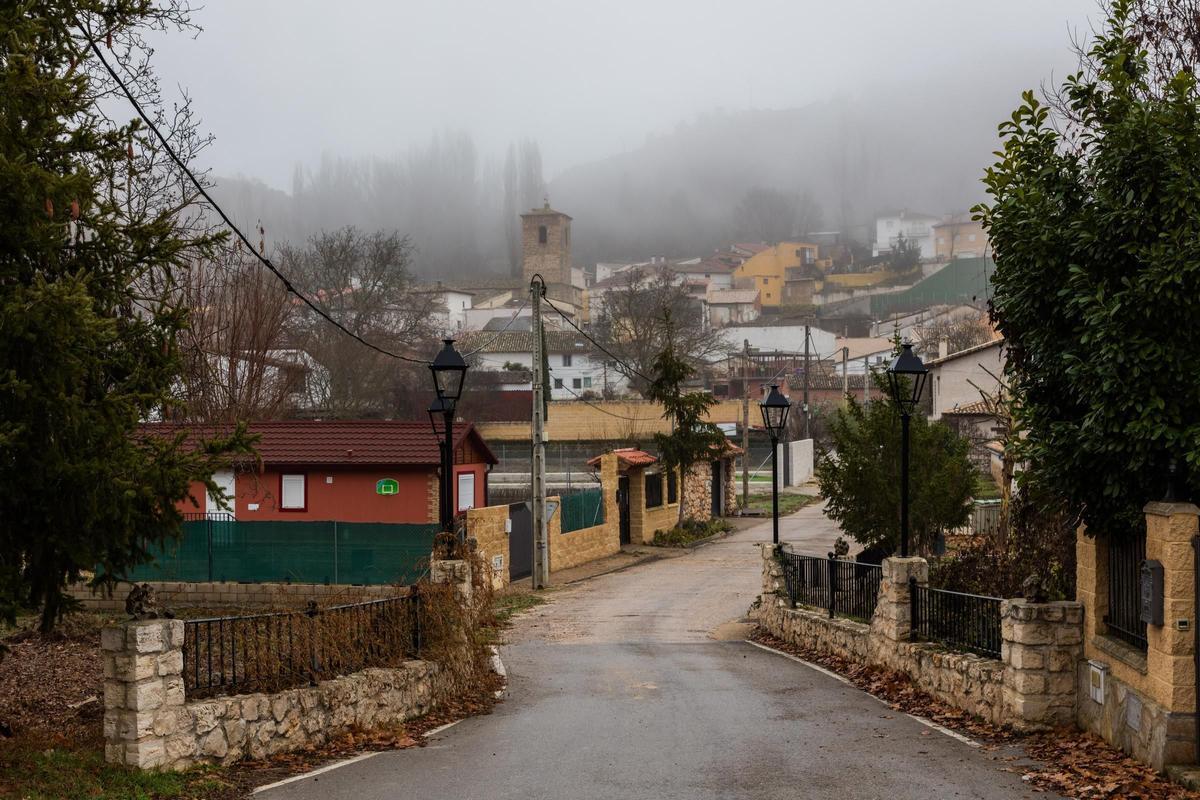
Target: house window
<point>292,492</point>
<point>466,490</point>
<point>672,487</point>
<point>566,360</point>
<point>558,384</point>
<point>587,383</point>
<point>576,383</point>
<point>654,490</point>
<point>542,235</point>
<point>765,281</point>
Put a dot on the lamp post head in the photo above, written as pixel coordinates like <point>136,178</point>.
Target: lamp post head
<point>906,378</point>
<point>438,410</point>
<point>775,412</point>
<point>449,372</point>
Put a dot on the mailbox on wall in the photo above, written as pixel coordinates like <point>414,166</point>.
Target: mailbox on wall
<point>1151,592</point>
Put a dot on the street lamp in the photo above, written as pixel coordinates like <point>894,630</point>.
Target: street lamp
<point>775,413</point>
<point>906,378</point>
<point>440,412</point>
<point>449,374</point>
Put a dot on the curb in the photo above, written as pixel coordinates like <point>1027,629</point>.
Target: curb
<point>499,669</point>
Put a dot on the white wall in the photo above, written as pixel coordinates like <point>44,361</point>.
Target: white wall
<point>583,368</point>
<point>953,382</point>
<point>789,338</point>
<point>802,461</point>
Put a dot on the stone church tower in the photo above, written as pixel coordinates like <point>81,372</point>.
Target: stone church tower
<point>546,245</point>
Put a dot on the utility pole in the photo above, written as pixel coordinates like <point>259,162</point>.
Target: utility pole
<point>541,553</point>
<point>845,375</point>
<point>866,379</point>
<point>806,433</point>
<point>745,422</point>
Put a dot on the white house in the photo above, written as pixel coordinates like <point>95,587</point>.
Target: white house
<point>456,302</point>
<point>574,367</point>
<point>956,380</point>
<point>785,338</point>
<point>913,226</point>
<point>732,306</point>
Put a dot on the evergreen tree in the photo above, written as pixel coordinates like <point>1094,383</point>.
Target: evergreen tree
<point>87,323</point>
<point>692,439</point>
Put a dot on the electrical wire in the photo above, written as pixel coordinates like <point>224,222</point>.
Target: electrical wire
<point>599,346</point>
<point>266,262</point>
<point>606,411</point>
<point>507,325</point>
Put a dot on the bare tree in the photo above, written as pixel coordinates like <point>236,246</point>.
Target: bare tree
<point>959,333</point>
<point>765,215</point>
<point>236,362</point>
<point>365,283</point>
<point>650,310</point>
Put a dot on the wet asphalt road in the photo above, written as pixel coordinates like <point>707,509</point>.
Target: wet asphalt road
<point>620,689</point>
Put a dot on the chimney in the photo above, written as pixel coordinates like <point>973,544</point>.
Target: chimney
<point>943,348</point>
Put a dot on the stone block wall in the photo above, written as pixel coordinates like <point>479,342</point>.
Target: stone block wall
<point>588,544</point>
<point>1028,688</point>
<point>697,496</point>
<point>489,527</point>
<point>1148,706</point>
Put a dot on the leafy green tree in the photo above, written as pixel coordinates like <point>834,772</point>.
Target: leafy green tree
<point>691,439</point>
<point>1095,226</point>
<point>860,475</point>
<point>88,250</point>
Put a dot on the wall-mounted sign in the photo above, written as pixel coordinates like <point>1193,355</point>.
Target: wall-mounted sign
<point>387,486</point>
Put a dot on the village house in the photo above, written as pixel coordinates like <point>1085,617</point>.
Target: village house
<point>913,226</point>
<point>767,271</point>
<point>959,236</point>
<point>732,306</point>
<point>341,470</point>
<point>574,367</point>
<point>956,380</point>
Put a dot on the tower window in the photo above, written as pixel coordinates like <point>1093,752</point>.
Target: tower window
<point>542,236</point>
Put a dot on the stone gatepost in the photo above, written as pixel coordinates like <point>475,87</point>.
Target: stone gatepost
<point>455,572</point>
<point>774,593</point>
<point>143,689</point>
<point>893,612</point>
<point>1041,645</point>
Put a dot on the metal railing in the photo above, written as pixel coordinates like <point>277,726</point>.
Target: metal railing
<point>848,588</point>
<point>1123,619</point>
<point>267,652</point>
<point>963,621</point>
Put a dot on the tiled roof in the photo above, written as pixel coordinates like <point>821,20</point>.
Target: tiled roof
<point>337,442</point>
<point>998,341</point>
<point>629,457</point>
<point>732,296</point>
<point>978,408</point>
<point>521,342</point>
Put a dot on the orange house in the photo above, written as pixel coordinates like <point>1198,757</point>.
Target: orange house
<point>344,471</point>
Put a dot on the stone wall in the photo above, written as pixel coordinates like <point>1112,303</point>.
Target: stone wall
<point>181,594</point>
<point>488,526</point>
<point>697,498</point>
<point>1148,702</point>
<point>148,723</point>
<point>1028,688</point>
<point>643,522</point>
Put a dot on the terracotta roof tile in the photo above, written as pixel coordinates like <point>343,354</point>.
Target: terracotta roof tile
<point>337,442</point>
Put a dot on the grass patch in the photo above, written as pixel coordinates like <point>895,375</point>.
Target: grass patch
<point>690,531</point>
<point>508,605</point>
<point>985,488</point>
<point>39,771</point>
<point>788,503</point>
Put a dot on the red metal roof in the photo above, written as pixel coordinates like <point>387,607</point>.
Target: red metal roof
<point>338,442</point>
<point>629,456</point>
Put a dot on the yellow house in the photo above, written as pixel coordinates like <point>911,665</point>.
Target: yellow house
<point>767,271</point>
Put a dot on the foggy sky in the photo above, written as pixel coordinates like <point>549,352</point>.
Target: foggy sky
<point>280,82</point>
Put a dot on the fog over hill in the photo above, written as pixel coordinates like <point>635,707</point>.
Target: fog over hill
<point>922,147</point>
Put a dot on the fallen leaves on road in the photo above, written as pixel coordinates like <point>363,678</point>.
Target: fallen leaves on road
<point>1073,764</point>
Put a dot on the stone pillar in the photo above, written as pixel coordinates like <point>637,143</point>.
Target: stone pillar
<point>1041,646</point>
<point>455,572</point>
<point>893,611</point>
<point>143,689</point>
<point>774,592</point>
<point>1169,661</point>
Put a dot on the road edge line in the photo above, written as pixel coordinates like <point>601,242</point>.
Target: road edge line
<point>319,771</point>
<point>842,678</point>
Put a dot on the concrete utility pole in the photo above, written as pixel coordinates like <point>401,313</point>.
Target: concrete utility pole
<point>866,379</point>
<point>845,375</point>
<point>745,422</point>
<point>541,552</point>
<point>806,433</point>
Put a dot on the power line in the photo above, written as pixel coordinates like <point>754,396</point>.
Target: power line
<point>601,347</point>
<point>225,217</point>
<point>605,410</point>
<point>502,330</point>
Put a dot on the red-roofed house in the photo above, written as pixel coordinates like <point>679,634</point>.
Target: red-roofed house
<point>344,471</point>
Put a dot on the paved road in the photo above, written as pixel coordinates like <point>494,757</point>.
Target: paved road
<point>619,689</point>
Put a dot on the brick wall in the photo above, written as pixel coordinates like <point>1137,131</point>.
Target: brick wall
<point>588,544</point>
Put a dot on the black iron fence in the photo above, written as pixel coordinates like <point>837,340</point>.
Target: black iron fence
<point>273,651</point>
<point>1123,620</point>
<point>955,619</point>
<point>848,588</point>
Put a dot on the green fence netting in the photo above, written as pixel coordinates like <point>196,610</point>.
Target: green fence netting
<point>293,552</point>
<point>582,510</point>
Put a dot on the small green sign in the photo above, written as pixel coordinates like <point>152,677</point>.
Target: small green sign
<point>387,486</point>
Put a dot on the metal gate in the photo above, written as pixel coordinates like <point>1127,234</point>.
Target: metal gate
<point>623,507</point>
<point>718,489</point>
<point>520,541</point>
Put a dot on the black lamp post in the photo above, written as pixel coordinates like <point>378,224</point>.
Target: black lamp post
<point>775,413</point>
<point>437,419</point>
<point>906,378</point>
<point>449,374</point>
